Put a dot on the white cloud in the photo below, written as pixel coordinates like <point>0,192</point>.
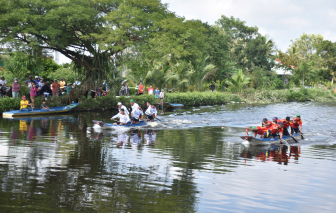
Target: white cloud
<point>282,20</point>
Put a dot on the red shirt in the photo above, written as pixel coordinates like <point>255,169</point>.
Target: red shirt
<point>269,124</point>
<point>140,90</point>
<point>261,130</point>
<point>276,128</point>
<point>296,124</point>
<point>286,123</point>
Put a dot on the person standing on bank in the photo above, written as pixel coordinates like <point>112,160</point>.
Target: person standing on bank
<point>212,87</point>
<point>150,90</point>
<point>16,87</point>
<point>140,90</point>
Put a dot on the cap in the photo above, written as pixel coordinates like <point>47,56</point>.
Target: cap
<point>2,76</point>
<point>253,127</point>
<point>131,100</point>
<point>264,120</point>
<point>23,96</point>
<point>298,115</point>
<point>15,79</point>
<point>275,118</point>
<point>119,103</point>
<point>36,76</point>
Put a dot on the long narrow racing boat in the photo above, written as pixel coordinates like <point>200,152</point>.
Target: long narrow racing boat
<point>129,124</point>
<point>271,140</point>
<point>37,111</point>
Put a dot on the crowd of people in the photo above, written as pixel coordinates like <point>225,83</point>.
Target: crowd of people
<point>136,115</point>
<point>158,94</point>
<point>278,127</point>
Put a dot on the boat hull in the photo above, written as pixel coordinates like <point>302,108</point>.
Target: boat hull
<point>265,141</point>
<point>30,112</point>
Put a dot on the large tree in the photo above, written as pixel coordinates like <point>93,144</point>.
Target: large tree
<point>87,32</point>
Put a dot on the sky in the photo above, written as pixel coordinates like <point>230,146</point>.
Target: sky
<point>281,20</point>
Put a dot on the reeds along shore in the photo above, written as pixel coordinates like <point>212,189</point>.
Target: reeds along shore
<point>188,99</point>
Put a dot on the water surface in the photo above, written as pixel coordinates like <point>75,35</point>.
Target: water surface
<point>186,164</point>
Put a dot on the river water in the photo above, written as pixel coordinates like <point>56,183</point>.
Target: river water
<point>187,163</point>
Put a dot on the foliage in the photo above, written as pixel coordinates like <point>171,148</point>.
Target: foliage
<point>68,74</point>
<point>21,65</point>
<point>238,81</point>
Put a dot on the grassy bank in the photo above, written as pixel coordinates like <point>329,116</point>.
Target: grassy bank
<point>188,99</point>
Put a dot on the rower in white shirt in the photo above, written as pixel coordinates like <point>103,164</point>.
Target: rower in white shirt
<point>134,105</point>
<point>123,118</point>
<point>120,106</point>
<point>136,115</point>
<point>151,112</point>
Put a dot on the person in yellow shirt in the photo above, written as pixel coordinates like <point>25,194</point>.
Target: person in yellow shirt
<point>24,103</point>
<point>62,84</point>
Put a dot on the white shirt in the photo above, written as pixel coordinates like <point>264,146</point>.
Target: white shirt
<point>137,113</point>
<point>122,118</point>
<point>41,84</point>
<point>125,109</point>
<point>3,82</point>
<point>151,111</point>
<point>77,83</point>
<point>161,94</point>
<point>135,106</point>
<point>150,91</point>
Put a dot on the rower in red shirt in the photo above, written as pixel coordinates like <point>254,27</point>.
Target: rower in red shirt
<point>296,125</point>
<point>277,128</point>
<point>286,122</point>
<point>266,123</point>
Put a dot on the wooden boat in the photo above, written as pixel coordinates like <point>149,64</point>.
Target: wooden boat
<point>38,111</point>
<point>166,104</point>
<point>271,140</point>
<point>129,124</point>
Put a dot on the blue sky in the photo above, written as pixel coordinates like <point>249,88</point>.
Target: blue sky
<point>282,20</point>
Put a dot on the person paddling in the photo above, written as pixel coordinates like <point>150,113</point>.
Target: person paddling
<point>296,125</point>
<point>123,118</point>
<point>150,112</point>
<point>120,106</point>
<point>286,122</point>
<point>136,115</point>
<point>134,105</point>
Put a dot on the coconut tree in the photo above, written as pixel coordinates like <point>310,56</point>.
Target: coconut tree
<point>238,81</point>
<point>201,72</point>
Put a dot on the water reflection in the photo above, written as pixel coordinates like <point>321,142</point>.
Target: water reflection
<point>277,153</point>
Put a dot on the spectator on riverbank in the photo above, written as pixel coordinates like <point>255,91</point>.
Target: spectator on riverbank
<point>77,83</point>
<point>33,93</point>
<point>212,87</point>
<point>157,94</point>
<point>29,81</point>
<point>37,80</point>
<point>69,88</point>
<point>150,90</point>
<point>16,87</point>
<point>55,88</point>
<point>45,90</point>
<point>62,84</point>
<point>161,96</point>
<point>3,82</point>
<point>140,90</point>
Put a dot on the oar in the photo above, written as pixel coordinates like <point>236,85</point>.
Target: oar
<point>293,139</point>
<point>302,136</point>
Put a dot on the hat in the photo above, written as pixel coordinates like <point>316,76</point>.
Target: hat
<point>298,115</point>
<point>15,79</point>
<point>36,76</point>
<point>274,118</point>
<point>131,100</point>
<point>23,96</point>
<point>119,103</point>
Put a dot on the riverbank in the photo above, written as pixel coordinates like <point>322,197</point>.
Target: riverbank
<point>187,99</point>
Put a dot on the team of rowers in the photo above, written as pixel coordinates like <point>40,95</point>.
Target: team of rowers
<point>278,128</point>
<point>136,113</point>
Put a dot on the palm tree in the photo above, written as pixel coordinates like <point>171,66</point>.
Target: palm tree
<point>238,81</point>
<point>202,71</point>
